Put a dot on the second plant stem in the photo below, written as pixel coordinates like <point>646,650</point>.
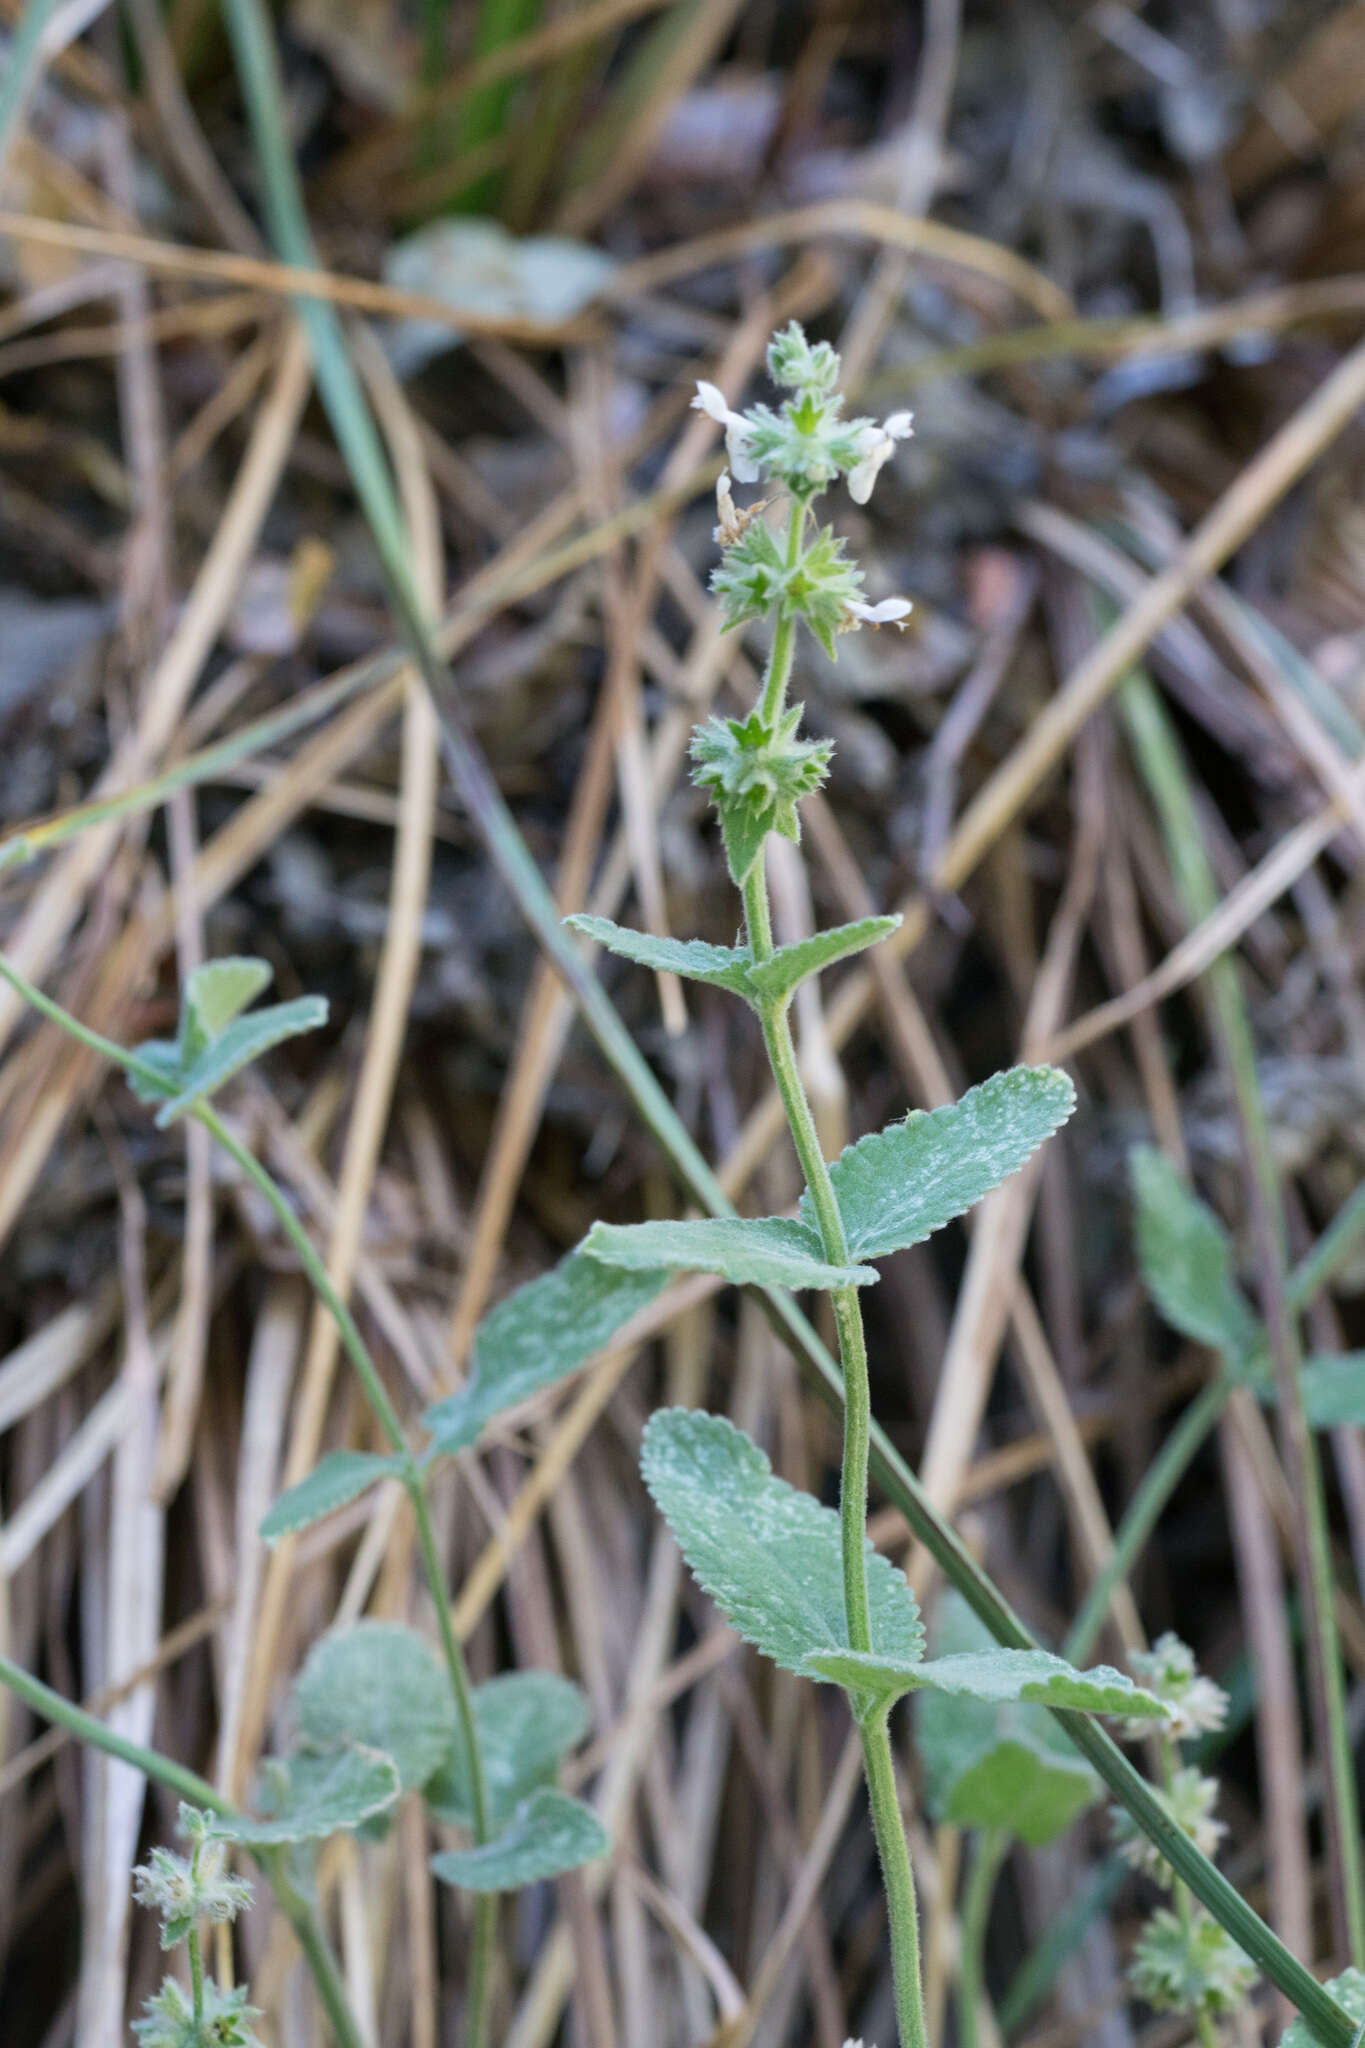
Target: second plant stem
<point>888,1826</point>
<point>485,1907</point>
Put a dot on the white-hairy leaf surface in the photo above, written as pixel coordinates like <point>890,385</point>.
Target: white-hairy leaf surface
<point>550,1834</point>
<point>382,1685</point>
<point>762,1251</point>
<point>538,1336</point>
<point>340,1477</point>
<point>527,1723</point>
<point>235,1048</point>
<point>779,978</point>
<point>1334,1391</point>
<point>1186,1258</point>
<point>718,966</point>
<point>997,1676</point>
<point>767,1554</point>
<point>897,1186</point>
<point>320,1796</point>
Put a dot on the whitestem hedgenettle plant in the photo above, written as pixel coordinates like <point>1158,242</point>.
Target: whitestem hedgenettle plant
<point>800,1582</point>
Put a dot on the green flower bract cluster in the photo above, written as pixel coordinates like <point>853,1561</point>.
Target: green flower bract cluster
<point>757,775</point>
<point>1191,1966</point>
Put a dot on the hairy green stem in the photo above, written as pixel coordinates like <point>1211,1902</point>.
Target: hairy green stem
<point>196,1975</point>
<point>898,1878</point>
<point>774,698</point>
<point>888,1826</point>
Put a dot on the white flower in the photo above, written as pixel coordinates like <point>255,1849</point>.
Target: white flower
<point>892,611</point>
<point>711,401</point>
<point>877,445</point>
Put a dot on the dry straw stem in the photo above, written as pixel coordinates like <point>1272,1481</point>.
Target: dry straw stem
<point>1009,790</point>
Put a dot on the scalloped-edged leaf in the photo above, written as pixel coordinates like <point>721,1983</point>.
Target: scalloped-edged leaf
<point>718,966</point>
<point>243,1041</point>
<point>996,1676</point>
<point>767,1554</point>
<point>380,1684</point>
<point>762,1251</point>
<point>340,1477</point>
<point>538,1336</point>
<point>986,1766</point>
<point>1186,1259</point>
<point>550,1834</point>
<point>744,830</point>
<point>527,1723</point>
<point>898,1186</point>
<point>317,1796</point>
<point>778,978</point>
<point>215,995</point>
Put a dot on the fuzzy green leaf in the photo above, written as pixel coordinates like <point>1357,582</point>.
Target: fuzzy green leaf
<point>340,1477</point>
<point>760,1251</point>
<point>319,1796</point>
<point>997,1676</point>
<point>536,1337</point>
<point>1186,1259</point>
<point>986,1766</point>
<point>718,966</point>
<point>215,995</point>
<point>527,1723</point>
<point>779,977</point>
<point>162,1055</point>
<point>1349,1992</point>
<point>898,1186</point>
<point>243,1041</point>
<point>1334,1391</point>
<point>744,831</point>
<point>550,1834</point>
<point>379,1684</point>
<point>767,1554</point>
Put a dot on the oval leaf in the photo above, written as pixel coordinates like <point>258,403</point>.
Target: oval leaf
<point>379,1684</point>
<point>527,1723</point>
<point>778,978</point>
<point>319,1796</point>
<point>997,1676</point>
<point>215,994</point>
<point>1334,1391</point>
<point>897,1186</point>
<point>340,1477</point>
<point>1186,1259</point>
<point>241,1043</point>
<point>767,1554</point>
<point>763,1251</point>
<point>538,1336</point>
<point>550,1834</point>
<point>718,966</point>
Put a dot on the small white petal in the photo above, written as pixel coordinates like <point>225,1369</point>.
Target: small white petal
<point>892,611</point>
<point>861,479</point>
<point>742,462</point>
<point>711,401</point>
<point>899,426</point>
